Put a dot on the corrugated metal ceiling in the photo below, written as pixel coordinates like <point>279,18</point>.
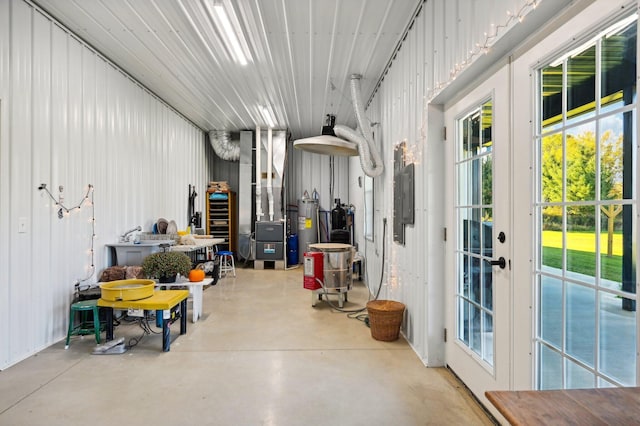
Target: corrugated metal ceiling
<point>303,53</point>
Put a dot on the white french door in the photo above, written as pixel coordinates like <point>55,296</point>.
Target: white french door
<point>586,213</point>
<point>478,301</point>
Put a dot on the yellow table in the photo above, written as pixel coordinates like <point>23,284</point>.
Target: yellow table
<point>162,300</point>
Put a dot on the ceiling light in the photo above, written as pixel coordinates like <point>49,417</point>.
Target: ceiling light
<point>327,145</point>
<point>225,19</point>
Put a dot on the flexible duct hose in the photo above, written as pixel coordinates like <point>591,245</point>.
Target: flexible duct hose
<point>221,142</point>
<point>370,158</point>
<point>372,168</point>
<point>356,97</point>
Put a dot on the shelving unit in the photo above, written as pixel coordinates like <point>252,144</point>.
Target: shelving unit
<point>221,218</point>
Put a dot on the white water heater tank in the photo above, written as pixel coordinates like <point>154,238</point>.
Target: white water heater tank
<point>307,225</point>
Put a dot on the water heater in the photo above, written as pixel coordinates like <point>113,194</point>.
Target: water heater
<point>307,224</point>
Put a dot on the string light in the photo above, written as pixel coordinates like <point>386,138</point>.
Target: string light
<point>484,47</point>
<point>64,211</point>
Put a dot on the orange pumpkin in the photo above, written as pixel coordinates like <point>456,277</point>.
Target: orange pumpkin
<point>196,275</point>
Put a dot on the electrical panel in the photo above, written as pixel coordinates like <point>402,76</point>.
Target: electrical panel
<point>403,193</point>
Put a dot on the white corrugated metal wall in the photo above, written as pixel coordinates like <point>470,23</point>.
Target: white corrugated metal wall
<point>70,118</point>
<point>444,43</point>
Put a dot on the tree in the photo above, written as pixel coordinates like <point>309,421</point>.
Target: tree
<point>581,174</point>
<point>611,169</point>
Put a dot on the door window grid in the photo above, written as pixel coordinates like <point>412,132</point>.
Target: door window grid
<point>474,213</point>
<point>585,275</point>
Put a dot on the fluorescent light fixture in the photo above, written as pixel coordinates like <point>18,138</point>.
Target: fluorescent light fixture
<point>268,117</point>
<point>225,19</point>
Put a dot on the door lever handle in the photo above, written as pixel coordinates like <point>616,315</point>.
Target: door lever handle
<point>501,262</point>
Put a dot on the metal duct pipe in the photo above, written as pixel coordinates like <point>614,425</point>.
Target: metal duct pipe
<point>270,171</point>
<point>221,142</point>
<point>259,213</point>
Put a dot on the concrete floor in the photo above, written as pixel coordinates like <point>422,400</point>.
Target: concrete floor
<point>261,355</point>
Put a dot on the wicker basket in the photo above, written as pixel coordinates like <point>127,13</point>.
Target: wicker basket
<point>385,319</point>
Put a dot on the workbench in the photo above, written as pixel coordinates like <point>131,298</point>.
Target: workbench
<point>162,301</point>
<point>195,288</point>
<point>603,406</point>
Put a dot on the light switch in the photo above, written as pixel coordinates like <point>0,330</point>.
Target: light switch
<point>22,225</point>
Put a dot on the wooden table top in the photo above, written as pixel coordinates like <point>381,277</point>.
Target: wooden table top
<point>605,406</point>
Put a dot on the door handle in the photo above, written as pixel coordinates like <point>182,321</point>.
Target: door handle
<point>501,262</point>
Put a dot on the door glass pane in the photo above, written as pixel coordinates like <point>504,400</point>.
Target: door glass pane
<point>463,321</point>
<point>550,322</point>
<point>611,246</point>
<point>487,285</point>
<point>580,323</point>
<point>475,234</point>
<point>551,239</point>
<point>580,158</point>
<point>474,282</point>
<point>549,368</point>
<point>618,81</point>
<point>465,190</point>
<point>577,377</point>
<point>551,97</point>
<point>464,216</point>
<point>486,126</point>
<point>617,350</point>
<point>463,283</point>
<point>581,85</point>
<point>487,232</point>
<point>581,243</point>
<point>611,157</point>
<point>476,329</point>
<point>470,135</point>
<point>603,383</point>
<point>487,337</point>
<point>551,168</point>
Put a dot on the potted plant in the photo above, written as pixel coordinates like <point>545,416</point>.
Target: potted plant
<point>165,265</point>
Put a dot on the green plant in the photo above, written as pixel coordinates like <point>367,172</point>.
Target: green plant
<point>166,264</point>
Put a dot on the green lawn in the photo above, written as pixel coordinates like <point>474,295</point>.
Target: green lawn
<point>581,255</point>
<point>582,241</point>
<point>584,262</point>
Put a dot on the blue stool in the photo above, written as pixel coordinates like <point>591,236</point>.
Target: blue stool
<point>227,263</point>
<point>85,327</point>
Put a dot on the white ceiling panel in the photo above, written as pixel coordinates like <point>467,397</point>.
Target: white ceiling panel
<point>302,54</point>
